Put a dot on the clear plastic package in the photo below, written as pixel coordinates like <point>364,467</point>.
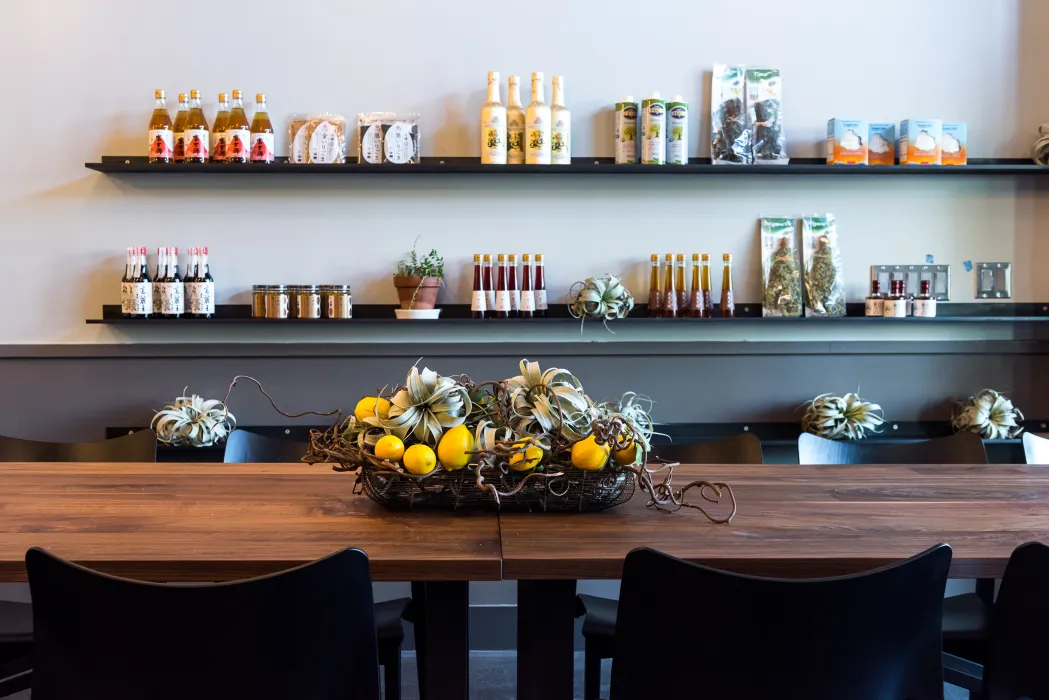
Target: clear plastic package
<point>317,139</point>
<point>729,136</point>
<point>765,116</point>
<point>779,267</point>
<point>824,285</point>
<point>388,137</point>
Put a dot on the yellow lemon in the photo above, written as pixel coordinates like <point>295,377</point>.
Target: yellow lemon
<point>366,408</point>
<point>528,458</point>
<point>454,446</point>
<point>628,455</point>
<point>588,455</point>
<point>389,447</point>
<point>419,460</point>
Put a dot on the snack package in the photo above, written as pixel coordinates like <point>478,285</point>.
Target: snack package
<point>824,287</point>
<point>847,141</point>
<point>386,137</point>
<point>779,268</point>
<point>729,137</point>
<point>955,149</point>
<point>765,116</point>
<point>921,142</point>
<point>881,145</point>
<point>317,139</point>
<point>297,138</point>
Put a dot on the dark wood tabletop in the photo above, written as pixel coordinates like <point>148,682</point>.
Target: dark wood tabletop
<point>211,522</point>
<point>801,521</point>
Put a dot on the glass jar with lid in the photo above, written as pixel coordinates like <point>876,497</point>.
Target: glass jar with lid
<point>305,301</point>
<point>277,301</point>
<point>337,301</point>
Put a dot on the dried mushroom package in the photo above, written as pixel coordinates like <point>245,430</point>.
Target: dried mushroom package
<point>824,286</point>
<point>779,267</point>
<point>765,116</point>
<point>729,137</point>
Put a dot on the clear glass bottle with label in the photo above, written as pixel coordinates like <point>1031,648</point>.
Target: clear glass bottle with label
<point>875,303</point>
<point>695,301</point>
<point>706,290</point>
<point>728,302</point>
<point>179,128</point>
<point>493,125</point>
<point>126,299</point>
<point>161,133</point>
<point>172,292</point>
<point>189,281</point>
<point>142,285</point>
<point>679,285</point>
<point>502,289</point>
<point>527,293</point>
<point>262,139</point>
<point>478,300</point>
<point>218,131</point>
<point>560,126</point>
<point>238,132</point>
<point>925,302</point>
<point>540,286</point>
<point>669,292</point>
<point>197,135</point>
<point>537,125</point>
<point>895,306</point>
<point>655,289</point>
<point>162,271</point>
<point>488,284</point>
<point>515,124</point>
<point>512,283</point>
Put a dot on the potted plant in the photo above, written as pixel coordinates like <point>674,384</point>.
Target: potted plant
<point>417,280</point>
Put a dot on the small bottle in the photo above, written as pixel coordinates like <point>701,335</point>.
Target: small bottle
<point>218,131</point>
<point>679,285</point>
<point>896,305</point>
<point>162,271</point>
<point>560,126</point>
<point>527,282</point>
<point>502,289</point>
<point>189,281</point>
<point>238,131</point>
<point>925,303</point>
<point>493,125</point>
<point>540,286</point>
<point>143,288</point>
<point>488,284</point>
<point>180,127</point>
<point>478,300</point>
<point>161,135</point>
<point>875,305</point>
<point>513,286</point>
<point>537,125</point>
<point>197,136</point>
<point>172,294</point>
<point>126,287</point>
<point>695,302</point>
<point>261,133</point>
<point>728,303</point>
<point>205,286</point>
<point>515,124</point>
<point>707,310</point>
<point>669,293</point>
<point>655,290</point>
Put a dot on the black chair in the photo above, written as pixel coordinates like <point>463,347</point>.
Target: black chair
<point>307,633</point>
<point>599,614</point>
<point>687,631</point>
<point>1036,449</point>
<point>244,447</point>
<point>16,619</point>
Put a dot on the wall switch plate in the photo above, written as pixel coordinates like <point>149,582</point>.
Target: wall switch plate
<point>939,277</point>
<point>994,280</point>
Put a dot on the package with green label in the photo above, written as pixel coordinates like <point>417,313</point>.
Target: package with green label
<point>824,285</point>
<point>765,116</point>
<point>779,267</point>
<point>729,137</point>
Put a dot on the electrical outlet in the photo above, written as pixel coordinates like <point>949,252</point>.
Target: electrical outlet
<point>994,280</point>
<point>939,277</point>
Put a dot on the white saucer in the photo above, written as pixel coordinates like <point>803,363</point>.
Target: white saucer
<point>417,314</point>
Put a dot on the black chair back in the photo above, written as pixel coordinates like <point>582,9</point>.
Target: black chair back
<point>1036,449</point>
<point>689,631</point>
<point>961,448</point>
<point>307,633</point>
<point>744,448</point>
<point>1019,644</point>
<point>140,446</point>
<point>243,447</point>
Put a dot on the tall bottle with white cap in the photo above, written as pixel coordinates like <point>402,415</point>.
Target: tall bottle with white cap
<point>515,124</point>
<point>537,125</point>
<point>653,130</point>
<point>560,126</point>
<point>493,125</point>
<point>677,131</point>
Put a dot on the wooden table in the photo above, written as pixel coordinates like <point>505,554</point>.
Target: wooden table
<point>213,522</point>
<point>793,521</point>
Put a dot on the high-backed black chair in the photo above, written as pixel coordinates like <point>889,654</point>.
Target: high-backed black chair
<point>16,619</point>
<point>599,614</point>
<point>244,447</point>
<point>687,631</point>
<point>307,633</point>
<point>1036,449</point>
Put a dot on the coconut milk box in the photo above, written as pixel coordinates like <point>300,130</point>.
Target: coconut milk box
<point>921,142</point>
<point>847,141</point>
<point>881,144</point>
<point>955,143</point>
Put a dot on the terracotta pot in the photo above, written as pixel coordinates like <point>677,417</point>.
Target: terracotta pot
<point>423,289</point>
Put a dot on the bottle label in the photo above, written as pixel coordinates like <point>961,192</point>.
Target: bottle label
<point>538,140</point>
<point>489,296</point>
<point>237,144</point>
<point>670,301</point>
<point>540,299</point>
<point>198,142</point>
<point>479,301</point>
<point>626,133</point>
<point>155,292</point>
<point>218,147</point>
<point>493,138</point>
<point>894,308</point>
<point>180,145</point>
<point>515,299</point>
<point>371,144</point>
<point>925,308</point>
<point>677,136</point>
<point>527,300</point>
<point>161,143</point>
<point>126,294</point>
<point>398,143</point>
<point>300,146</point>
<point>695,301</point>
<point>200,297</point>
<point>172,299</point>
<point>324,143</point>
<point>141,303</point>
<point>560,140</point>
<point>875,307</point>
<point>682,300</point>
<point>262,148</point>
<point>502,300</point>
<point>515,138</point>
<point>655,301</point>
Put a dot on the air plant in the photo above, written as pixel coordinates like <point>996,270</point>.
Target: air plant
<point>604,298</point>
<point>636,410</point>
<point>546,402</point>
<point>193,421</point>
<point>428,405</point>
<point>841,417</point>
<point>989,414</point>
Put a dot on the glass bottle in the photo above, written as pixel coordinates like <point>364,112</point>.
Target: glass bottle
<point>143,304</point>
<point>655,291</point>
<point>707,310</point>
<point>875,303</point>
<point>527,281</point>
<point>513,286</point>
<point>158,279</point>
<point>896,305</point>
<point>560,126</point>
<point>238,132</point>
<point>126,292</point>
<point>540,286</point>
<point>478,300</point>
<point>218,131</point>
<point>189,282</point>
<point>695,302</point>
<point>925,303</point>
<point>206,285</point>
<point>161,134</point>
<point>537,125</point>
<point>669,293</point>
<point>679,286</point>
<point>515,124</point>
<point>172,297</point>
<point>493,125</point>
<point>197,135</point>
<point>488,284</point>
<point>728,303</point>
<point>261,133</point>
<point>179,128</point>
<point>502,290</point>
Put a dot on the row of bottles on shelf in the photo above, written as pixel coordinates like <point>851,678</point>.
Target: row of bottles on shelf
<point>190,140</point>
<point>167,293</point>
<point>669,298</point>
<point>538,135</point>
<point>506,292</point>
<point>898,304</point>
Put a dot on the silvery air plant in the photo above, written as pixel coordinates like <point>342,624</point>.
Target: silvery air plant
<point>988,414</point>
<point>604,298</point>
<point>841,417</point>
<point>193,421</point>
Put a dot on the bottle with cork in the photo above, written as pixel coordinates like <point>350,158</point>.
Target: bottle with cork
<point>728,303</point>
<point>512,283</point>
<point>925,302</point>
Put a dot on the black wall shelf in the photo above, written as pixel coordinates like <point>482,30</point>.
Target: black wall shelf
<point>435,165</point>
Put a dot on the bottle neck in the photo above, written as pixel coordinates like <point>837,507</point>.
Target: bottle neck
<point>559,94</point>
<point>726,279</point>
<point>493,91</point>
<point>514,96</point>
<point>224,106</point>
<point>238,103</point>
<point>160,103</point>
<point>538,97</point>
<point>260,107</point>
<point>194,103</point>
<point>183,106</point>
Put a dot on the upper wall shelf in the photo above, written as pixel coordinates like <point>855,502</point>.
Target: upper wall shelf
<point>434,165</point>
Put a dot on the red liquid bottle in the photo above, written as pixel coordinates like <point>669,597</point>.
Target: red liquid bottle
<point>478,302</point>
<point>511,284</point>
<point>527,306</point>
<point>502,291</point>
<point>488,284</point>
<point>540,286</point>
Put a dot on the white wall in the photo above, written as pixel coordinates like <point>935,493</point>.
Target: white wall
<point>78,79</point>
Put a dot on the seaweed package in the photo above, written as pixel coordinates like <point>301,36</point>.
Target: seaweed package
<point>401,139</point>
<point>765,116</point>
<point>824,286</point>
<point>779,268</point>
<point>729,137</point>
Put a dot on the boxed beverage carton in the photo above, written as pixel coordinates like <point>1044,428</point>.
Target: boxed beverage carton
<point>955,146</point>
<point>847,141</point>
<point>881,144</point>
<point>921,142</point>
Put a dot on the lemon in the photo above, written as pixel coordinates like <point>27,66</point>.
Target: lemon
<point>628,455</point>
<point>389,447</point>
<point>528,458</point>
<point>419,460</point>
<point>366,408</point>
<point>588,455</point>
<point>454,446</point>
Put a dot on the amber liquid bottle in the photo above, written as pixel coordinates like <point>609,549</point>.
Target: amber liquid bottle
<point>527,308</point>
<point>238,131</point>
<point>655,293</point>
<point>707,309</point>
<point>478,302</point>
<point>261,133</point>
<point>180,127</point>
<point>728,304</point>
<point>161,135</point>
<point>218,131</point>
<point>679,285</point>
<point>197,134</point>
<point>669,293</point>
<point>695,299</point>
<point>540,286</point>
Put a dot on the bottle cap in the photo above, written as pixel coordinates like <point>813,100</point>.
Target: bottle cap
<point>204,250</point>
<point>926,287</point>
<point>727,257</point>
<point>539,257</point>
<point>875,286</point>
<point>628,98</point>
<point>655,257</point>
<point>182,97</point>
<point>194,94</point>
<point>142,250</point>
<point>653,96</point>
<point>223,97</point>
<point>559,80</point>
<point>537,76</point>
<point>493,75</point>
<point>158,94</point>
<point>502,257</point>
<point>526,257</point>
<point>677,98</point>
<point>174,251</point>
<point>695,256</point>
<point>237,94</point>
<point>704,257</point>
<point>514,80</point>
<point>513,257</point>
<point>681,257</point>
<point>670,257</point>
<point>487,257</point>
<point>477,257</point>
<point>259,97</point>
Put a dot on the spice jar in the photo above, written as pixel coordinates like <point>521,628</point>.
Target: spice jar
<point>305,301</point>
<point>258,300</point>
<point>277,301</point>
<point>337,302</point>
<point>896,305</point>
